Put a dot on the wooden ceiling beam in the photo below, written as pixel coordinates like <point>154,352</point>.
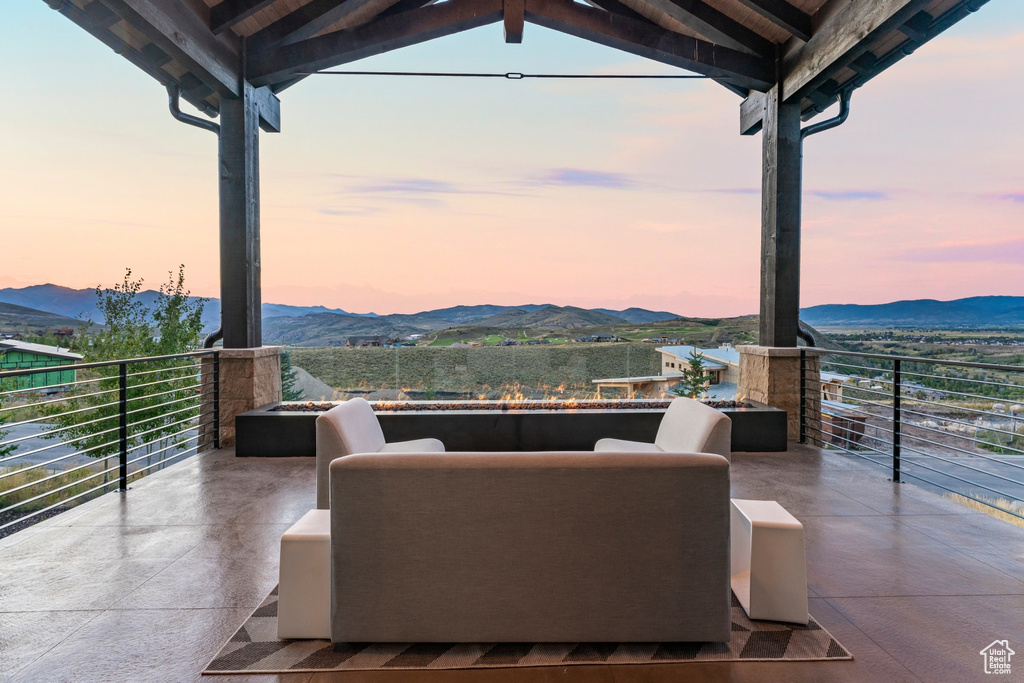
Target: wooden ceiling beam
<point>715,26</point>
<point>616,7</point>
<point>784,15</point>
<point>226,14</point>
<point>515,17</point>
<point>182,34</point>
<point>390,33</point>
<point>302,24</point>
<point>647,40</point>
<point>839,42</point>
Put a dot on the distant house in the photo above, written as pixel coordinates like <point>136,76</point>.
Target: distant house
<point>364,342</point>
<point>599,338</point>
<point>723,363</point>
<point>19,355</point>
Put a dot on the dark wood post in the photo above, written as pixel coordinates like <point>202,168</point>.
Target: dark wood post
<point>780,221</point>
<point>240,220</point>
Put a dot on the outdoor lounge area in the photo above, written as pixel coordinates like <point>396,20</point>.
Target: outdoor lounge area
<point>150,584</point>
<point>173,569</point>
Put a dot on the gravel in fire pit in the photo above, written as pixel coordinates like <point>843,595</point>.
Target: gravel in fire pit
<point>406,406</point>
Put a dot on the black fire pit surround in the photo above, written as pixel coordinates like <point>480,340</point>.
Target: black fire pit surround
<point>266,432</point>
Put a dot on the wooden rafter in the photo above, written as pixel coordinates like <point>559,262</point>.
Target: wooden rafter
<point>303,23</point>
<point>181,33</point>
<point>784,15</point>
<point>647,40</point>
<point>226,14</point>
<point>616,7</point>
<point>714,26</point>
<point>397,31</point>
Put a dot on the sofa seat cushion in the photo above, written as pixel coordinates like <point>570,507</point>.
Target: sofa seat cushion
<point>624,446</point>
<point>414,446</point>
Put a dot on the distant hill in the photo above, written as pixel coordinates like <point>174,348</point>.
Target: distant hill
<point>639,315</point>
<point>20,319</point>
<point>550,318</point>
<point>979,311</point>
<point>80,304</point>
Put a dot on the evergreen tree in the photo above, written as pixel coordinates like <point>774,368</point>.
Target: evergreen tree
<point>288,379</point>
<point>695,379</point>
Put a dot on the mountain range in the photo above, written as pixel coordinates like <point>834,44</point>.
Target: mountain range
<point>318,324</point>
<point>977,311</point>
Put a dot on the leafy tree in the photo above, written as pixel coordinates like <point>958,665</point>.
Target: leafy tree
<point>695,379</point>
<point>9,449</point>
<point>161,394</point>
<point>288,379</point>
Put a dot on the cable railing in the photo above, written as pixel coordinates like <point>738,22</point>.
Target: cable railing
<point>952,426</point>
<point>109,424</point>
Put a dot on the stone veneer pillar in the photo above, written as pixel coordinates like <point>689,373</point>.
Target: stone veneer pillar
<point>771,375</point>
<point>249,378</point>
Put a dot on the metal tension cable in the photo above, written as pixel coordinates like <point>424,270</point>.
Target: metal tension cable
<point>511,76</point>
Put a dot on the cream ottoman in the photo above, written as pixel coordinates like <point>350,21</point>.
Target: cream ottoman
<point>304,591</point>
<point>769,568</point>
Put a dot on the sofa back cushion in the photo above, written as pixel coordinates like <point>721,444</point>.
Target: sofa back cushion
<point>530,547</point>
<point>689,426</point>
<point>350,427</point>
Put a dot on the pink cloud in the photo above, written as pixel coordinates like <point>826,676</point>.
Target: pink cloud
<point>1009,251</point>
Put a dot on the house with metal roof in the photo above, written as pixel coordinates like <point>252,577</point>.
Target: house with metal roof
<point>20,355</point>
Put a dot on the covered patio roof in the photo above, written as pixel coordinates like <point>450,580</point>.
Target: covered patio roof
<point>787,59</point>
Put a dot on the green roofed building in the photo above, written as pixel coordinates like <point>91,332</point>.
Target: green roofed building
<point>19,355</point>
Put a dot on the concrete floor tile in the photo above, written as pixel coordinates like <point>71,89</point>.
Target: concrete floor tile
<point>875,556</point>
<point>938,638</point>
<point>26,636</point>
<point>138,645</point>
<point>194,582</point>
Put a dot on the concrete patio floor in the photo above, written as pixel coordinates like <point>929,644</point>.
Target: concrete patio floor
<point>148,585</point>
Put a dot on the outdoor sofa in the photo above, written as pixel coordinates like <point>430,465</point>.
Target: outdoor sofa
<point>688,426</point>
<point>530,547</point>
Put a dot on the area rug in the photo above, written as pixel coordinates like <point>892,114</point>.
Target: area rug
<point>255,648</point>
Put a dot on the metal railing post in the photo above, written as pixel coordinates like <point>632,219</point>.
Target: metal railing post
<point>122,409</point>
<point>803,396</point>
<point>897,421</point>
<point>216,399</point>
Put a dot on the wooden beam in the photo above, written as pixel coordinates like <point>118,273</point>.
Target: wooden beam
<point>515,18</point>
<point>616,7</point>
<point>239,164</point>
<point>839,42</point>
<point>784,15</point>
<point>646,40</point>
<point>401,30</point>
<point>269,109</point>
<point>303,23</point>
<point>715,26</point>
<point>752,113</point>
<point>781,170</point>
<point>181,33</point>
<point>226,14</point>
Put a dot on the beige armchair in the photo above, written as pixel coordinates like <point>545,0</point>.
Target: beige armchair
<point>689,426</point>
<point>352,427</point>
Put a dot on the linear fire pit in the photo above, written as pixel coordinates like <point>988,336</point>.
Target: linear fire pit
<point>274,430</point>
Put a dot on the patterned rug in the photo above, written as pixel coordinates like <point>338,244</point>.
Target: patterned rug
<point>255,648</point>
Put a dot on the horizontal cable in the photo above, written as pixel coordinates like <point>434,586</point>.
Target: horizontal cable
<point>65,399</point>
<point>56,416</point>
<point>964,494</point>
<point>51,386</point>
<point>60,443</point>
<point>948,378</point>
<point>144,409</point>
<point>190,369</point>
<point>57,504</point>
<point>511,75</point>
<point>910,449</point>
<point>926,361</point>
<point>57,490</point>
<point>55,475</point>
<point>17,456</point>
<point>163,450</point>
<point>112,363</point>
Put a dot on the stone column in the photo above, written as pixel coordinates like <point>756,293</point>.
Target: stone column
<point>771,375</point>
<point>249,378</point>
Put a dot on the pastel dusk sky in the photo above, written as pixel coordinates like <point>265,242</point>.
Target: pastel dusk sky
<point>404,194</point>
